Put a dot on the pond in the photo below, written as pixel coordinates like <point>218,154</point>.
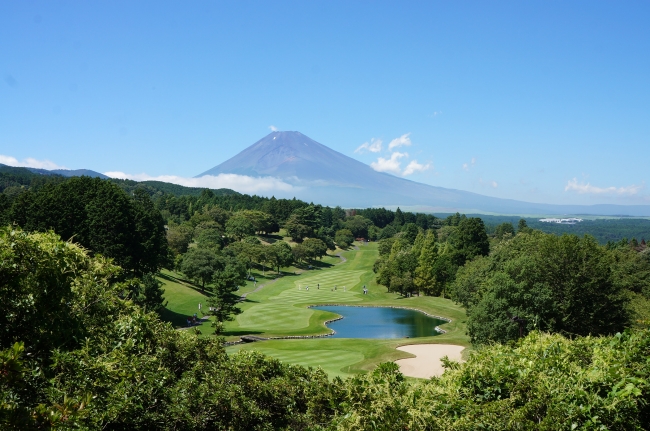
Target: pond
<point>380,322</point>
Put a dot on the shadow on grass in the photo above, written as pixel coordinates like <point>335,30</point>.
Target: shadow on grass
<point>249,300</point>
<point>184,282</point>
<point>239,333</point>
<point>177,319</point>
<point>313,265</point>
<point>271,238</point>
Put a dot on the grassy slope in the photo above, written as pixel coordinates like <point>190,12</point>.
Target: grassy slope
<point>281,309</point>
<point>182,298</point>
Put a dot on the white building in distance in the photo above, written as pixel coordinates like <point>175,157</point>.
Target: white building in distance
<point>571,220</point>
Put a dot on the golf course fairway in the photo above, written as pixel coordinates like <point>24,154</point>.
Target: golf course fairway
<point>280,309</point>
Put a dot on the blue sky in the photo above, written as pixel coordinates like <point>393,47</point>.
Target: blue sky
<point>537,101</point>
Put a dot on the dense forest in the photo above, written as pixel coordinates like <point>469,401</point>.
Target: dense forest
<point>603,229</point>
<point>559,322</point>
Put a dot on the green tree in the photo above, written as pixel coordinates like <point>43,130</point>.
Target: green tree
<point>344,238</point>
<point>151,247</point>
<point>398,219</point>
<point>229,273</point>
<point>111,226</point>
<point>410,232</point>
<point>558,284</point>
<point>281,254</point>
<point>471,239</point>
<point>148,293</point>
<point>200,265</point>
<point>80,355</point>
<point>303,222</point>
<point>454,219</point>
<point>469,285</point>
<point>522,226</point>
<point>300,253</point>
<point>504,229</point>
<point>248,250</point>
<point>425,275</point>
<point>631,270</point>
<point>217,214</point>
<point>358,225</point>
<point>210,238</point>
<point>101,217</point>
<point>5,207</point>
<point>179,238</point>
<point>388,232</point>
<point>262,222</point>
<point>316,248</point>
<point>326,234</point>
<point>239,226</point>
<point>396,270</point>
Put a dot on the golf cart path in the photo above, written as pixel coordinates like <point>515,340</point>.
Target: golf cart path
<point>243,297</point>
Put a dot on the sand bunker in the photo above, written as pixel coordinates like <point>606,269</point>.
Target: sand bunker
<point>427,363</point>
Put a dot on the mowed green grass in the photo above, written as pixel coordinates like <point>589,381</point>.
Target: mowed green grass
<point>335,361</point>
<point>182,298</point>
<point>280,309</point>
<point>336,356</point>
<point>285,312</point>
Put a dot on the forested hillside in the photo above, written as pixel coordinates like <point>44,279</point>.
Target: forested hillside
<point>603,229</point>
<point>558,323</point>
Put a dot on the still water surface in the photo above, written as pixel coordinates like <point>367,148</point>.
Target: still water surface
<point>380,322</point>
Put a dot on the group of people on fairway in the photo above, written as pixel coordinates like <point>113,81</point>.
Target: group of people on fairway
<point>365,289</point>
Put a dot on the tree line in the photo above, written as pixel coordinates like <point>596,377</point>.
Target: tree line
<point>215,242</point>
<point>488,273</point>
<point>82,355</point>
<point>519,280</point>
<point>210,236</point>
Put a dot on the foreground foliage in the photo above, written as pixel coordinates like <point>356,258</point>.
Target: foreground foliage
<point>546,382</point>
<point>77,353</point>
<point>559,284</point>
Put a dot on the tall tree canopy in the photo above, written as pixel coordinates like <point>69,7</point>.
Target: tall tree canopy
<point>101,217</point>
<point>557,284</point>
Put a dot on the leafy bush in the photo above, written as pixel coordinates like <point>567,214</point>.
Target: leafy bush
<point>546,382</point>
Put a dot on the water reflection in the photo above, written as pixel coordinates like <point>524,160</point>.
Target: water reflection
<point>380,322</point>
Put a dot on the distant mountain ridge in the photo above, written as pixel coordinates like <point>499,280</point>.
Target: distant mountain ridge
<point>328,177</point>
<point>62,172</point>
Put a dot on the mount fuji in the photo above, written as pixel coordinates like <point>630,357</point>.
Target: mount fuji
<point>328,177</point>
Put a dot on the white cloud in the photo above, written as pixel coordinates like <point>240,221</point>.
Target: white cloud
<point>374,146</point>
<point>29,163</point>
<point>414,167</point>
<point>485,183</point>
<point>273,128</point>
<point>468,166</point>
<point>389,165</point>
<point>240,183</point>
<point>403,140</point>
<point>582,188</point>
